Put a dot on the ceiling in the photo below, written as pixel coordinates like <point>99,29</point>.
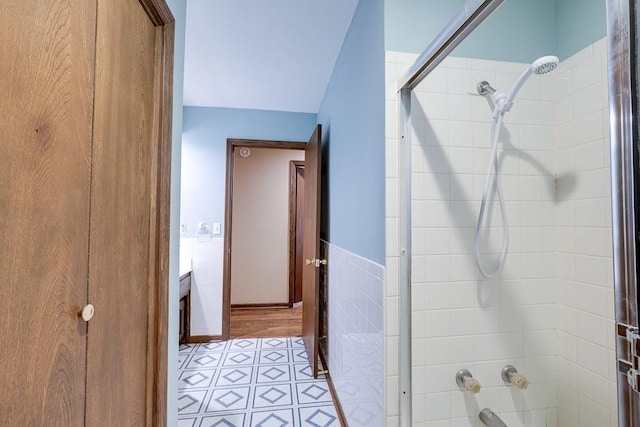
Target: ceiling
<point>263,54</point>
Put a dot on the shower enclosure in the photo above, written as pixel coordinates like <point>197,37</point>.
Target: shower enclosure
<point>552,339</point>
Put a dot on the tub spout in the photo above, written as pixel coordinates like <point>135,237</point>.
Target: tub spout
<point>490,419</point>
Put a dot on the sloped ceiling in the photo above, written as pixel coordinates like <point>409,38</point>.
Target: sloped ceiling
<point>263,54</point>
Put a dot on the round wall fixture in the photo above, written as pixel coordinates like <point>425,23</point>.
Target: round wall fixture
<point>245,152</point>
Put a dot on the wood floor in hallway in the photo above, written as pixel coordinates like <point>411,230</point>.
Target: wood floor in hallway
<point>266,322</point>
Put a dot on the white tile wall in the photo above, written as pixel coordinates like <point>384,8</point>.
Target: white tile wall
<point>206,283</point>
<point>355,342</point>
<point>394,67</point>
<point>584,292</point>
<point>550,311</point>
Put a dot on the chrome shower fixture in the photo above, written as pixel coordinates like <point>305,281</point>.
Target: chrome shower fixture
<point>485,88</point>
<point>504,102</point>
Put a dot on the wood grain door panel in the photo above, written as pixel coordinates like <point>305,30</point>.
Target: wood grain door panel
<point>122,255</point>
<point>84,190</point>
<point>46,69</point>
<point>311,247</point>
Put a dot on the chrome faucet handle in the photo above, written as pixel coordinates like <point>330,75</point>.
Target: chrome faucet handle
<point>511,376</point>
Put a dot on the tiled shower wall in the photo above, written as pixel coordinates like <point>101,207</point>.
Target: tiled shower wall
<point>531,316</point>
<point>584,288</point>
<point>460,320</point>
<point>355,342</point>
<point>206,283</point>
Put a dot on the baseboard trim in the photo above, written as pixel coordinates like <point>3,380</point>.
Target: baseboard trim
<point>334,394</point>
<point>194,339</point>
<point>274,305</point>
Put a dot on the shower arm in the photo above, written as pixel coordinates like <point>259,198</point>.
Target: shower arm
<point>484,88</point>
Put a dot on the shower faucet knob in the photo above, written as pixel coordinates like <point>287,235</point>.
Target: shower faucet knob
<point>510,375</point>
<point>466,382</point>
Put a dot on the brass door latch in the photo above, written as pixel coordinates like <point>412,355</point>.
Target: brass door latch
<point>316,262</point>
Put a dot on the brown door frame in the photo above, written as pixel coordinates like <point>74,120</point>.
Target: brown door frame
<point>294,191</point>
<point>232,143</point>
<point>158,323</point>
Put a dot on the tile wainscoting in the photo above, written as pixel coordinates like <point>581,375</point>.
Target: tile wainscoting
<point>355,341</point>
<point>206,283</point>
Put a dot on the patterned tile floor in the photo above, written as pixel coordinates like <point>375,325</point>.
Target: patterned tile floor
<point>262,382</point>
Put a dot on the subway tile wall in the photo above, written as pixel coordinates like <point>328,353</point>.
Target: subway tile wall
<point>546,313</point>
<point>355,341</point>
<point>206,283</point>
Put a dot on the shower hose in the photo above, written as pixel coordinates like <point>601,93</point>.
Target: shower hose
<point>498,117</point>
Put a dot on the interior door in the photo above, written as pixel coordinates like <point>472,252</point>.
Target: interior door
<point>311,248</point>
<point>46,69</point>
<point>123,260</point>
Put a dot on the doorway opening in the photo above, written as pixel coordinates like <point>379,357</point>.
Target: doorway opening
<point>263,239</point>
<point>296,215</point>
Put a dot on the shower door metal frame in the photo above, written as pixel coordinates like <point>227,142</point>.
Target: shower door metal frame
<point>473,13</point>
<point>622,33</point>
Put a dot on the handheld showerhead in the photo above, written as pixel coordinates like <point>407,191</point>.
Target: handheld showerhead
<point>540,66</point>
<point>545,65</point>
<point>502,104</point>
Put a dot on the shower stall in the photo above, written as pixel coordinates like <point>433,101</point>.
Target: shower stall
<point>513,243</point>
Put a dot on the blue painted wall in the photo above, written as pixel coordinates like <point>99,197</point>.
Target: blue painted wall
<point>520,30</point>
<point>352,113</point>
<point>578,24</point>
<point>179,10</point>
<point>204,151</point>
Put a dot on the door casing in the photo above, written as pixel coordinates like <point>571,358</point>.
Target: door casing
<point>226,275</point>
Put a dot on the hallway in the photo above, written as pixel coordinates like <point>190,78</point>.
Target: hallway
<point>266,322</point>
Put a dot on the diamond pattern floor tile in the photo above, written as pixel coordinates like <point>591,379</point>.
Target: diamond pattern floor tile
<point>228,399</point>
<point>274,373</point>
<point>204,360</point>
<point>323,416</point>
<point>195,379</point>
<point>231,420</point>
<point>274,356</point>
<point>279,418</point>
<point>240,358</point>
<point>272,395</point>
<point>313,392</point>
<point>251,383</point>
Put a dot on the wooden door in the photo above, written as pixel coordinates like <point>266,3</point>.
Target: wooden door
<point>127,245</point>
<point>311,248</point>
<point>46,81</point>
<point>84,190</point>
